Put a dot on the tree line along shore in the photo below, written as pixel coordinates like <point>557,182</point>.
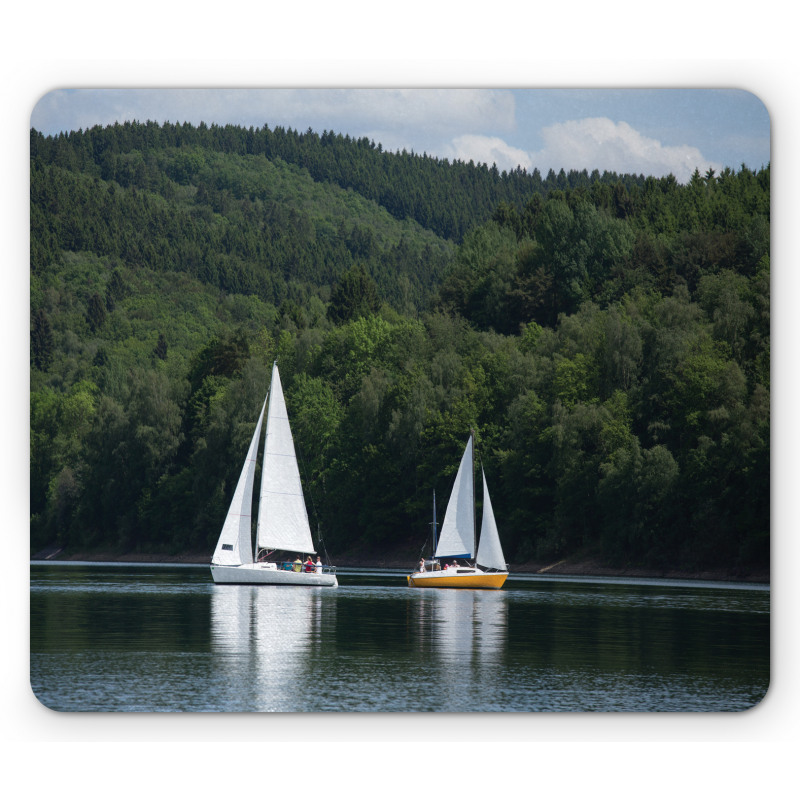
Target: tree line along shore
<point>606,336</point>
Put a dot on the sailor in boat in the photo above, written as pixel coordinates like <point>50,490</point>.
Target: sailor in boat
<point>298,565</point>
<point>421,565</point>
<point>309,565</point>
<point>318,566</point>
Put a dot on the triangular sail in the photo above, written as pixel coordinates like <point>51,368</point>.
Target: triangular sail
<point>235,545</point>
<point>282,516</point>
<point>490,553</point>
<point>457,537</point>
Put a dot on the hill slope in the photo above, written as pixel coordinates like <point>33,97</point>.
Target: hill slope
<point>607,340</point>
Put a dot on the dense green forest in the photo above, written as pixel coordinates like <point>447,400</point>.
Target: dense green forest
<point>607,336</point>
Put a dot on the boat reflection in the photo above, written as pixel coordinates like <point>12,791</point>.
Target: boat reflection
<point>467,623</point>
<point>266,636</point>
<point>464,634</point>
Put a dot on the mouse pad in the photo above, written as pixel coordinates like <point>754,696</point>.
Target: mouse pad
<point>425,400</point>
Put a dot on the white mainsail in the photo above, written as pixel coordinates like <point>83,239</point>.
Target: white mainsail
<point>282,516</point>
<point>235,545</point>
<point>457,537</point>
<point>490,553</point>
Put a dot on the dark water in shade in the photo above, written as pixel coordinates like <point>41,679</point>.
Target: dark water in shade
<point>165,638</point>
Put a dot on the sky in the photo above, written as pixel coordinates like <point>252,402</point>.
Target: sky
<point>648,131</point>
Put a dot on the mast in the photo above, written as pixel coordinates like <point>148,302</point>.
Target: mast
<point>433,524</point>
<point>474,520</point>
<point>256,548</point>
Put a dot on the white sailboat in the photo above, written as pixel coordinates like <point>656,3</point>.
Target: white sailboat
<point>282,516</point>
<point>459,538</point>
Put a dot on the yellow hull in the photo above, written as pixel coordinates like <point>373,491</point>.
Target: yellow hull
<point>440,580</point>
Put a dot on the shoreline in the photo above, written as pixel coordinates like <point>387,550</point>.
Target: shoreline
<point>576,566</point>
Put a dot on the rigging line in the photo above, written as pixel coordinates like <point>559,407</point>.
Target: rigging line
<point>422,550</point>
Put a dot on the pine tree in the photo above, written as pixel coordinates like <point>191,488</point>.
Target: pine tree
<point>115,290</point>
<point>96,312</point>
<point>42,340</point>
<point>356,295</point>
<point>160,350</point>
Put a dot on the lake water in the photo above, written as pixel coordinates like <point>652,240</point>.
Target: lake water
<point>165,638</point>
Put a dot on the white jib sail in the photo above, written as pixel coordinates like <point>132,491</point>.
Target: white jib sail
<point>457,537</point>
<point>490,553</point>
<point>282,516</point>
<point>235,544</point>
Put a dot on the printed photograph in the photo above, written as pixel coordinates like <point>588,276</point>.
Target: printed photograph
<point>400,400</point>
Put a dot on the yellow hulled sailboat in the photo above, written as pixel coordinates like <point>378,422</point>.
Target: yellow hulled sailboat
<point>459,539</point>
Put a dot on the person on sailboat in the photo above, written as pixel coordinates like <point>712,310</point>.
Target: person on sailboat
<point>319,566</point>
<point>298,565</point>
<point>421,565</point>
<point>309,565</point>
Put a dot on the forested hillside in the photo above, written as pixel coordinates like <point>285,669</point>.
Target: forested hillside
<point>606,336</point>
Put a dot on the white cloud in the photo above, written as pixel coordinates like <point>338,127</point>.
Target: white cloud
<point>427,109</point>
<point>599,143</point>
<point>435,111</point>
<point>488,150</point>
<point>592,143</point>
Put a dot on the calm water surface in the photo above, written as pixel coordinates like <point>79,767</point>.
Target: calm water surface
<point>165,638</point>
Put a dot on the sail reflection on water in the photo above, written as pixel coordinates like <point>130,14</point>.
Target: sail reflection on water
<point>465,632</point>
<point>266,636</point>
<point>469,623</point>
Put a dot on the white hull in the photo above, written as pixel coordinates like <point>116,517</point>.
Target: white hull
<point>267,574</point>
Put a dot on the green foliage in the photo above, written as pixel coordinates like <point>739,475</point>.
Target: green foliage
<point>41,340</point>
<point>96,312</point>
<point>354,295</point>
<point>636,493</point>
<point>607,337</point>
